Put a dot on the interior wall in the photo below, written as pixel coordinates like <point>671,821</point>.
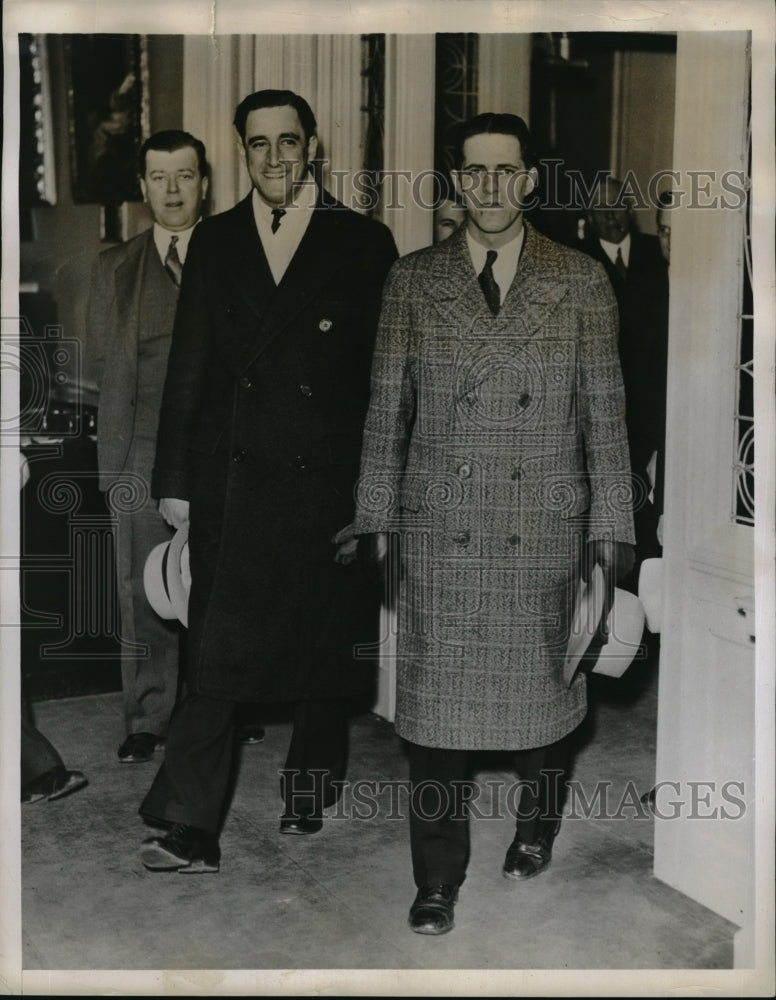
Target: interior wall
<point>643,118</point>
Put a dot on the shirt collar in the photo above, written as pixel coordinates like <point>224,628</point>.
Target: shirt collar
<point>610,249</point>
<point>305,197</point>
<point>162,238</point>
<point>509,251</point>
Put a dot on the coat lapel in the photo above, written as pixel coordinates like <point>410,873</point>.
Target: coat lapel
<point>249,267</point>
<point>129,286</point>
<point>537,288</point>
<point>456,288</point>
<point>311,268</point>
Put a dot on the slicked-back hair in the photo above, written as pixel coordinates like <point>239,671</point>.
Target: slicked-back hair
<point>276,99</point>
<point>500,124</point>
<point>666,200</point>
<point>170,141</point>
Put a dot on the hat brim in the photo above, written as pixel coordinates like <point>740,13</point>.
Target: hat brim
<point>625,627</point>
<point>651,592</point>
<point>153,582</point>
<point>179,592</point>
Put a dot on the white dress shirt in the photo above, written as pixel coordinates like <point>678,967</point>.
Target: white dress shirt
<point>610,249</point>
<point>162,241</point>
<point>281,246</point>
<point>505,267</point>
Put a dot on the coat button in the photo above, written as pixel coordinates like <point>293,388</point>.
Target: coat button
<point>524,400</point>
<point>245,383</point>
<point>325,325</point>
<point>514,539</point>
<point>465,470</point>
<point>514,474</point>
<point>462,537</point>
<point>299,462</point>
<point>238,455</point>
<point>306,390</point>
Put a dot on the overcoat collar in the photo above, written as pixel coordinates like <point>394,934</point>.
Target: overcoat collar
<point>538,286</point>
<point>310,269</point>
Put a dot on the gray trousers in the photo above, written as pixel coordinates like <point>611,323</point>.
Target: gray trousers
<point>149,676</point>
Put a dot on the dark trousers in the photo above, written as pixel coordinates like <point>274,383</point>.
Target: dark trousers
<point>38,755</point>
<point>192,784</point>
<point>439,821</point>
<point>149,673</point>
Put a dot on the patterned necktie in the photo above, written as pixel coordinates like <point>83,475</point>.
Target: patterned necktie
<point>619,263</point>
<point>488,283</point>
<point>277,215</point>
<point>172,262</point>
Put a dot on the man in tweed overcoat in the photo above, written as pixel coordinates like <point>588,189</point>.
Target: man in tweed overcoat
<point>495,445</point>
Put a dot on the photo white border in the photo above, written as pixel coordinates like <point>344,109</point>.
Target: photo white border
<point>225,17</point>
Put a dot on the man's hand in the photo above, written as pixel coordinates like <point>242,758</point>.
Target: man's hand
<point>616,559</point>
<point>175,512</point>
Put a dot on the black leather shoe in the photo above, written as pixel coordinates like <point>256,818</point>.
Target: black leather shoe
<point>139,747</point>
<point>250,733</point>
<point>185,849</point>
<point>432,911</point>
<point>54,784</point>
<point>524,861</point>
<point>301,826</point>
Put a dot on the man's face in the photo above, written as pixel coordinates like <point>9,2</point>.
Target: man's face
<point>609,218</point>
<point>173,187</point>
<point>494,182</point>
<point>664,233</point>
<point>276,152</point>
<point>448,217</point>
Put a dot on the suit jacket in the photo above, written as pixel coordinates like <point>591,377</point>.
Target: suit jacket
<point>260,428</point>
<point>642,300</point>
<point>491,444</point>
<point>112,339</point>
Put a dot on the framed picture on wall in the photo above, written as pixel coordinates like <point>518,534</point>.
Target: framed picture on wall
<point>107,87</point>
<point>37,175</point>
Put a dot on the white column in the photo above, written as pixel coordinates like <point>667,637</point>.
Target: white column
<point>504,74</point>
<point>409,139</point>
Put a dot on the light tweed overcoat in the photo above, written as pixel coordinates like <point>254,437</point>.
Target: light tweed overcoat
<point>493,445</point>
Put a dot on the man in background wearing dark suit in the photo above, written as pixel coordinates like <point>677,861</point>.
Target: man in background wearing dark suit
<point>132,301</point>
<point>259,442</point>
<point>639,277</point>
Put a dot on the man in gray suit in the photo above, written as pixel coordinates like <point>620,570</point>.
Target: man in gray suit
<point>132,302</point>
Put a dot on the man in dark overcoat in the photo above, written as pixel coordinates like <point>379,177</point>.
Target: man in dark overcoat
<point>132,301</point>
<point>495,445</point>
<point>638,273</point>
<point>259,444</point>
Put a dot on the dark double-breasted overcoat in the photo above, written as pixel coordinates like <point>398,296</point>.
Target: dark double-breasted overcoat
<point>260,429</point>
<point>493,444</point>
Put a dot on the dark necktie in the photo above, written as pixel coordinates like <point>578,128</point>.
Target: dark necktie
<point>277,215</point>
<point>488,283</point>
<point>172,262</point>
<point>619,263</point>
